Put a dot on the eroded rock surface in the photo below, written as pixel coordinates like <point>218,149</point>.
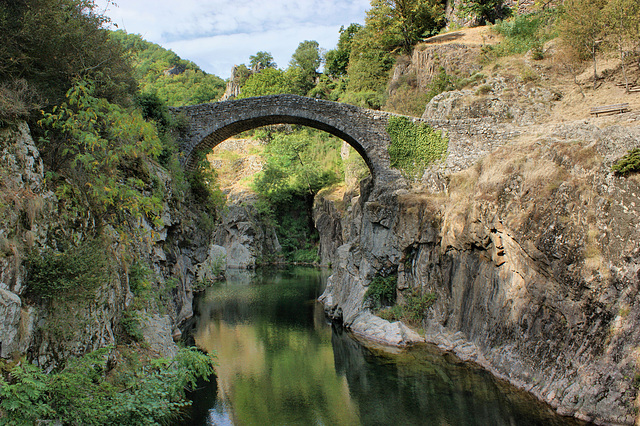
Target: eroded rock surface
<point>533,255</point>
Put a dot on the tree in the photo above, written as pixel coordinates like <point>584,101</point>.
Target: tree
<point>582,24</point>
<point>369,65</point>
<point>270,81</point>
<point>337,60</point>
<point>307,59</point>
<point>402,23</point>
<point>485,10</point>
<point>262,60</point>
<point>53,43</point>
<point>623,19</point>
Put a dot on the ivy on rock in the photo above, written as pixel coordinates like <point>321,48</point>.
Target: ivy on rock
<point>414,146</point>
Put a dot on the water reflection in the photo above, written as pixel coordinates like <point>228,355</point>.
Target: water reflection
<point>281,363</point>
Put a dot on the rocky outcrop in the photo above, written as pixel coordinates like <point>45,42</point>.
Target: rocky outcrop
<point>32,221</point>
<point>533,257</point>
<point>246,239</point>
<point>233,87</point>
<point>328,221</point>
<point>498,99</point>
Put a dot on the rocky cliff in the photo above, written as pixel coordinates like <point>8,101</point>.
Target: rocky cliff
<point>533,257</point>
<point>33,220</point>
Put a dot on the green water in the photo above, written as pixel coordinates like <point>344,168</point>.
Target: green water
<point>283,363</point>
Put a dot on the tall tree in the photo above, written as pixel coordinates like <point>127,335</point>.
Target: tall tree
<point>623,32</point>
<point>582,24</point>
<point>262,60</point>
<point>307,59</point>
<point>402,23</point>
<point>307,56</point>
<point>337,60</point>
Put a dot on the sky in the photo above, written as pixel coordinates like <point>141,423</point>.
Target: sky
<point>217,34</point>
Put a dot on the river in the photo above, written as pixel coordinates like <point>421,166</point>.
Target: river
<point>281,362</point>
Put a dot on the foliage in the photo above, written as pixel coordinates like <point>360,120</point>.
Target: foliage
<point>582,24</point>
<point>99,148</point>
<point>204,185</point>
<point>416,305</point>
<point>177,82</point>
<point>306,60</point>
<point>337,60</point>
<point>139,279</point>
<point>524,32</point>
<point>298,164</point>
<point>400,24</point>
<point>307,57</point>
<point>369,66</point>
<point>414,146</point>
<point>381,291</point>
<point>130,323</point>
<point>272,81</point>
<point>23,397</point>
<point>74,273</point>
<point>50,44</point>
<point>87,392</point>
<point>484,10</point>
<point>630,163</point>
<point>262,60</point>
<point>17,101</point>
<point>412,309</point>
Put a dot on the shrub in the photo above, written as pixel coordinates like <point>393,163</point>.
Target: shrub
<point>75,273</point>
<point>130,324</point>
<point>86,392</point>
<point>416,305</point>
<point>523,33</point>
<point>630,163</point>
<point>381,291</point>
<point>413,309</point>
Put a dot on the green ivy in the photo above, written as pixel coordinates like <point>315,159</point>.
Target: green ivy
<point>630,163</point>
<point>414,146</point>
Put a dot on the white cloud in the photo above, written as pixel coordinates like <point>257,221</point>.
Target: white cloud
<point>220,33</point>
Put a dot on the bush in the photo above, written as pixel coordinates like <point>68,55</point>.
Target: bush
<point>87,392</point>
<point>75,273</point>
<point>628,164</point>
<point>414,308</point>
<point>523,33</point>
<point>381,291</point>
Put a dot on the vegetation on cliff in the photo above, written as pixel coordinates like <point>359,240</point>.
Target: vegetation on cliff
<point>112,170</point>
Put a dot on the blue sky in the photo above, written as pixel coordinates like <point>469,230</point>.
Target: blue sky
<point>218,34</point>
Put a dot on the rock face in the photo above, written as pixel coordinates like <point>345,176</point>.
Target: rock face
<point>533,256</point>
<point>31,222</point>
<point>244,237</point>
<point>328,222</point>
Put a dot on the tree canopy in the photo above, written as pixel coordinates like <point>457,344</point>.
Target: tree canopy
<point>262,60</point>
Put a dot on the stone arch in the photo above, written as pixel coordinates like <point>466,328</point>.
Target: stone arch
<point>364,130</point>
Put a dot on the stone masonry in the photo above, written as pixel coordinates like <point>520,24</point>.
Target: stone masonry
<point>364,129</point>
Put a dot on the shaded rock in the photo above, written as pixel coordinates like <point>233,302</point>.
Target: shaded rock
<point>158,333</point>
<point>10,307</point>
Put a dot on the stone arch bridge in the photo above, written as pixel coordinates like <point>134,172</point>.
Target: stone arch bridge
<point>363,129</point>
